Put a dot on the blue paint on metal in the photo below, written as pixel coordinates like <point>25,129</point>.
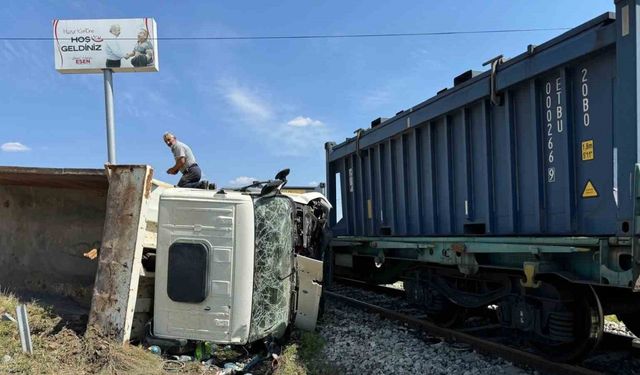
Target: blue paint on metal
<point>625,101</point>
<point>576,43</point>
<point>458,165</point>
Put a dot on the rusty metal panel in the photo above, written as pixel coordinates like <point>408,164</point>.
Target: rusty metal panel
<point>72,178</point>
<point>116,285</point>
<point>49,219</point>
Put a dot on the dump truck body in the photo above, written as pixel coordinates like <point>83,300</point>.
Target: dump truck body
<point>52,217</point>
<point>49,218</point>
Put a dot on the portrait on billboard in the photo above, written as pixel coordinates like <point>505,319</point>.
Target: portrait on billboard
<point>142,54</point>
<point>89,46</point>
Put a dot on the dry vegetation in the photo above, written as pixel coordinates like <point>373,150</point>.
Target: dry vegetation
<point>303,356</point>
<point>60,350</point>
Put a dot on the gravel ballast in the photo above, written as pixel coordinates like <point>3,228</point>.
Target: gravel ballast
<point>617,328</point>
<point>359,342</point>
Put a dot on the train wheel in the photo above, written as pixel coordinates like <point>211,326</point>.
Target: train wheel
<point>443,312</point>
<point>583,320</point>
<point>450,318</point>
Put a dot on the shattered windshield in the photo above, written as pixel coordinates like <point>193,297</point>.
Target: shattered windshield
<point>273,266</point>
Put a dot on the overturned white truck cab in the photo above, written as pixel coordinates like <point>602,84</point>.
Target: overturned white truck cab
<point>230,266</point>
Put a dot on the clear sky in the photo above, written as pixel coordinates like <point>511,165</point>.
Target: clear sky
<point>249,108</point>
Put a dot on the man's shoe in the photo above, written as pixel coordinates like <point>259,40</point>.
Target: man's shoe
<point>211,186</point>
<point>203,184</point>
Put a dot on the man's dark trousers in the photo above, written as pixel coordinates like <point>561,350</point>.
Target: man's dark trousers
<point>191,177</point>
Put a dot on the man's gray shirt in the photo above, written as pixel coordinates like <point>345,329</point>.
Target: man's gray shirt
<point>181,150</point>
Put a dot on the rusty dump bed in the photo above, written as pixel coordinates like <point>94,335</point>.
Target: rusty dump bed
<point>71,178</point>
<point>49,218</point>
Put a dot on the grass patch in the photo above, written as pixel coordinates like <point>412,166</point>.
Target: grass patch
<point>303,356</point>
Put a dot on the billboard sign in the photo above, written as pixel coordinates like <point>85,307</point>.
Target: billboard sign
<point>122,45</point>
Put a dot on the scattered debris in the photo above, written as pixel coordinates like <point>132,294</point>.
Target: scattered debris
<point>253,362</point>
<point>7,317</point>
<point>204,351</point>
<point>91,254</point>
<point>233,367</point>
<point>155,349</point>
<point>23,327</point>
<point>172,365</point>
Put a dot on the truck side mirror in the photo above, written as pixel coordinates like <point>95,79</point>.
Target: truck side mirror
<point>270,188</point>
<point>282,175</point>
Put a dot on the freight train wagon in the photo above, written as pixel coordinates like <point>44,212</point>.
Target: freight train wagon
<point>517,188</point>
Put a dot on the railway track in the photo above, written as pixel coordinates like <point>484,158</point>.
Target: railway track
<point>390,303</point>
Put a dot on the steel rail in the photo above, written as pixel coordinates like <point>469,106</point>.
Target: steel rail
<point>481,345</point>
<point>371,287</point>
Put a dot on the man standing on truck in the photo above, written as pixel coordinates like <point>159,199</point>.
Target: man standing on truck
<point>185,162</point>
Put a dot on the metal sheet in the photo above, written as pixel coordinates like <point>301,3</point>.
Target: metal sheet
<point>116,285</point>
<point>310,291</point>
<point>23,327</point>
<point>72,178</point>
<point>590,37</point>
<point>50,218</point>
<point>457,164</point>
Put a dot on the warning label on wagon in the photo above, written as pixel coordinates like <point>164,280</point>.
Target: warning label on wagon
<point>589,190</point>
<point>587,150</point>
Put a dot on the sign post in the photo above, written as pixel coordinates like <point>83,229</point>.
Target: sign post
<point>106,46</point>
<point>108,106</point>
